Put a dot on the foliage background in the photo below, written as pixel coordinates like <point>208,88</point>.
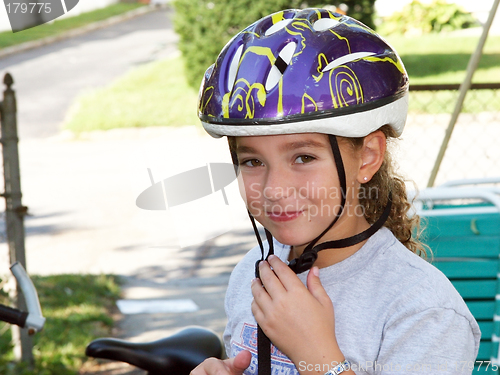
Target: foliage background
<point>205,26</point>
<point>417,18</point>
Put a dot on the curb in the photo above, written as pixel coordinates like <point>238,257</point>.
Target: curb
<point>76,32</point>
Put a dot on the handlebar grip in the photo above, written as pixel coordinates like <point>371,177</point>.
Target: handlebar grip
<point>35,320</point>
<point>13,316</point>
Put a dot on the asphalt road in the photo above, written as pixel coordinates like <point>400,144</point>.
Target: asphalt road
<point>49,78</point>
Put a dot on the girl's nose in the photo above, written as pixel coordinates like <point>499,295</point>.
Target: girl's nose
<point>277,185</point>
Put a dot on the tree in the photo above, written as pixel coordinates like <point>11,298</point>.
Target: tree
<point>205,26</point>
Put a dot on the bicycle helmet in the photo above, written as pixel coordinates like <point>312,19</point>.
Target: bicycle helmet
<point>300,71</point>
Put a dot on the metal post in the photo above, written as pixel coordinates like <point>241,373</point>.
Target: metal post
<point>14,210</point>
<point>464,87</point>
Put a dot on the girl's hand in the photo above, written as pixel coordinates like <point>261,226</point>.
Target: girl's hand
<point>232,366</point>
<point>299,321</point>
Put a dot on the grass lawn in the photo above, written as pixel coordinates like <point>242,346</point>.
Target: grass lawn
<point>442,58</point>
<point>155,94</point>
<point>8,38</point>
<point>78,309</point>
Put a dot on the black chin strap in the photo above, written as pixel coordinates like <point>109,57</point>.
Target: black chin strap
<point>263,342</point>
<point>306,260</point>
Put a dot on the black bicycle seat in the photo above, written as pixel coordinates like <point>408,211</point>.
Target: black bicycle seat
<point>178,354</point>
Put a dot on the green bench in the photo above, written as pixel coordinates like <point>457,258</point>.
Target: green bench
<point>465,243</point>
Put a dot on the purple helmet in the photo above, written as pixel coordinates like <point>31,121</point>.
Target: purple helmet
<point>299,71</point>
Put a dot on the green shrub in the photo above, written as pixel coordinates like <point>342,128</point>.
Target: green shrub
<point>418,18</point>
<point>205,26</point>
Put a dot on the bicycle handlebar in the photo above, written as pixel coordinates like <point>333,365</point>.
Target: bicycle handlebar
<point>33,320</point>
<point>13,316</point>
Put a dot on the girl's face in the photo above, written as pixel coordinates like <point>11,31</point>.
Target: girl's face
<point>291,186</point>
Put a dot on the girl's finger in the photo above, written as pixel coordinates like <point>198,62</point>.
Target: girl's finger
<point>270,281</point>
<point>316,288</point>
<point>257,312</point>
<point>260,294</point>
<point>286,276</point>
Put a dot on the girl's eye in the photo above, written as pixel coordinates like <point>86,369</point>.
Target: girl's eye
<point>252,163</point>
<point>302,159</point>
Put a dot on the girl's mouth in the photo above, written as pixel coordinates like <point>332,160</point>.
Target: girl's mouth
<point>283,216</point>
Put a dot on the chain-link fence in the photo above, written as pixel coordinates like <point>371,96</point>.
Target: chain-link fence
<point>474,147</point>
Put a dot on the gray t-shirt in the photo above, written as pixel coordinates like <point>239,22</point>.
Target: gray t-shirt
<point>394,313</point>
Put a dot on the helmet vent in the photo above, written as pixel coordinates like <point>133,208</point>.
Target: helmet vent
<point>280,65</point>
<point>324,24</point>
<point>277,27</point>
<point>233,68</point>
<point>346,59</point>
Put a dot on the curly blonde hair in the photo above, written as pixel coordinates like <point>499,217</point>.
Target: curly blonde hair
<point>406,228</point>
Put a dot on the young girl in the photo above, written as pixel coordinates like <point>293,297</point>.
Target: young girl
<point>308,100</point>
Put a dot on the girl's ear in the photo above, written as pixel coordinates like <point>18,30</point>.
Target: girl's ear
<point>372,155</point>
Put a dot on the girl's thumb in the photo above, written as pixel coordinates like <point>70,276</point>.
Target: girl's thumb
<point>314,285</point>
<point>240,363</point>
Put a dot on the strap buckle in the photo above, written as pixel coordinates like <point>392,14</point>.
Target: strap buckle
<point>304,262</point>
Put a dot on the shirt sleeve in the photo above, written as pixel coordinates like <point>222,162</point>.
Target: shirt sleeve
<point>433,341</point>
